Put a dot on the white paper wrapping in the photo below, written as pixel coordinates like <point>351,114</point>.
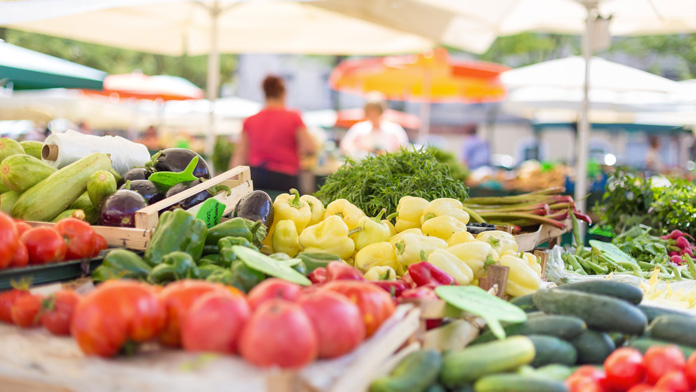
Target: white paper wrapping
<point>72,146</point>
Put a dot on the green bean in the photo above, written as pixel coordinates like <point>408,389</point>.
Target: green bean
<point>690,262</point>
<point>598,269</point>
<point>652,266</point>
<point>677,274</point>
<point>576,233</point>
<point>573,262</point>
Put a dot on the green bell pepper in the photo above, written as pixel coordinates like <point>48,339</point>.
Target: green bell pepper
<point>227,255</point>
<point>176,230</point>
<point>295,263</point>
<point>210,250</point>
<point>245,278</point>
<point>175,266</point>
<point>235,227</point>
<point>301,268</point>
<point>313,261</point>
<point>121,264</point>
<point>210,260</point>
<point>207,270</point>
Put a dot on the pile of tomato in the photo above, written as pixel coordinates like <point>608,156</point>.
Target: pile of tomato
<point>661,369</point>
<point>69,239</point>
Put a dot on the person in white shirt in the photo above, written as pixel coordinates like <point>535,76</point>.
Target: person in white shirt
<point>374,135</point>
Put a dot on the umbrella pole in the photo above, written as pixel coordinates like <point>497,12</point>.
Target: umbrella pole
<point>584,128</point>
<point>424,129</point>
<point>213,81</point>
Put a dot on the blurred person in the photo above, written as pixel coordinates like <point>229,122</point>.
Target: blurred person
<point>653,160</point>
<point>150,139</point>
<point>273,141</point>
<point>374,135</point>
<point>476,151</point>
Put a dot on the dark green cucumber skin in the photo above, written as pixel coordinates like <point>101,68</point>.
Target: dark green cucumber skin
<point>643,344</point>
<point>552,350</point>
<point>600,312</point>
<point>674,328</point>
<point>593,347</point>
<point>517,383</point>
<point>415,373</point>
<point>609,288</point>
<point>564,327</point>
<point>525,302</point>
<point>653,312</point>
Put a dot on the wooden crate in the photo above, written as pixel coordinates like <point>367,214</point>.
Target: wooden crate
<point>528,241</point>
<point>33,361</point>
<point>137,238</point>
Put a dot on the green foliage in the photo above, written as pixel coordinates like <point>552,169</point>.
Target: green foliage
<point>380,181</point>
<point>458,170</point>
<point>222,153</point>
<point>674,208</point>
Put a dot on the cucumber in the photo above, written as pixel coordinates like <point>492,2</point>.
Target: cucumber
<point>21,172</point>
<point>643,344</point>
<point>9,147</point>
<point>564,327</point>
<point>653,312</point>
<point>100,185</point>
<point>599,312</point>
<point>618,338</point>
<point>553,372</point>
<point>415,373</point>
<point>467,365</point>
<point>517,383</point>
<point>32,148</point>
<point>610,288</point>
<point>83,203</point>
<point>674,328</point>
<point>436,388</point>
<point>7,201</point>
<point>549,350</point>
<point>45,200</point>
<point>78,214</point>
<point>593,347</point>
<point>525,302</point>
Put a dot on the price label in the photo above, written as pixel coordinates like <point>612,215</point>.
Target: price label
<point>210,212</point>
<point>167,180</point>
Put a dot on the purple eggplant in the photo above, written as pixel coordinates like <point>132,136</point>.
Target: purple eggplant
<point>176,160</point>
<point>147,190</point>
<point>191,201</point>
<point>119,208</point>
<point>256,206</point>
<point>138,173</point>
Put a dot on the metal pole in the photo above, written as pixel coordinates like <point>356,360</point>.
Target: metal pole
<point>213,81</point>
<point>425,109</point>
<point>584,128</point>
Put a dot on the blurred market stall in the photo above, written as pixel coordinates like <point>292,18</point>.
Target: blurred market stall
<point>140,86</point>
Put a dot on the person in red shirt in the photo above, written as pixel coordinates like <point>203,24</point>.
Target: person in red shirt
<point>273,140</point>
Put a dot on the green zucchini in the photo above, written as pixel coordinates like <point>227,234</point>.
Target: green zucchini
<point>9,147</point>
<point>32,148</point>
<point>100,185</point>
<point>618,338</point>
<point>653,312</point>
<point>415,373</point>
<point>610,288</point>
<point>674,328</point>
<point>78,214</point>
<point>525,302</point>
<point>549,350</point>
<point>564,327</point>
<point>552,371</point>
<point>517,383</point>
<point>7,201</point>
<point>599,312</point>
<point>643,344</point>
<point>45,200</point>
<point>21,172</point>
<point>467,365</point>
<point>436,388</point>
<point>593,347</point>
<point>83,203</point>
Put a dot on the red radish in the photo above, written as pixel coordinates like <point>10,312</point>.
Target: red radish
<point>677,260</point>
<point>683,243</point>
<point>673,253</point>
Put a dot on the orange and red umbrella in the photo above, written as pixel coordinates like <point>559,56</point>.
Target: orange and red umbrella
<point>138,85</point>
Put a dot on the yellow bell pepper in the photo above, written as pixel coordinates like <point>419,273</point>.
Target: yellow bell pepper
<point>392,229</point>
<point>316,207</point>
<point>460,237</point>
<point>377,254</point>
<point>476,254</point>
<point>499,240</point>
<point>533,262</point>
<point>290,206</point>
<point>445,206</point>
<point>328,236</point>
<point>522,279</point>
<point>370,231</point>
<point>442,227</point>
<point>285,238</point>
<point>381,273</point>
<point>345,210</point>
<point>410,246</point>
<point>452,265</point>
<point>409,212</point>
<point>396,238</point>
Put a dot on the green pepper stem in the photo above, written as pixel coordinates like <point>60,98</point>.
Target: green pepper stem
<point>379,216</point>
<point>357,229</point>
<point>392,216</point>
<point>295,202</point>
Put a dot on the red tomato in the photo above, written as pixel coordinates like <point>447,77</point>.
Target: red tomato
<point>336,320</point>
<point>585,384</point>
<point>375,304</point>
<point>219,311</point>
<point>689,370</point>
<point>78,236</point>
<point>99,244</point>
<point>25,311</point>
<point>673,381</point>
<point>9,238</point>
<point>642,388</point>
<point>57,311</point>
<point>279,333</point>
<point>44,245</point>
<point>586,379</point>
<point>21,256</point>
<point>624,369</point>
<point>116,313</point>
<point>273,288</point>
<point>659,360</point>
<point>177,299</point>
<point>7,299</point>
<point>22,226</point>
